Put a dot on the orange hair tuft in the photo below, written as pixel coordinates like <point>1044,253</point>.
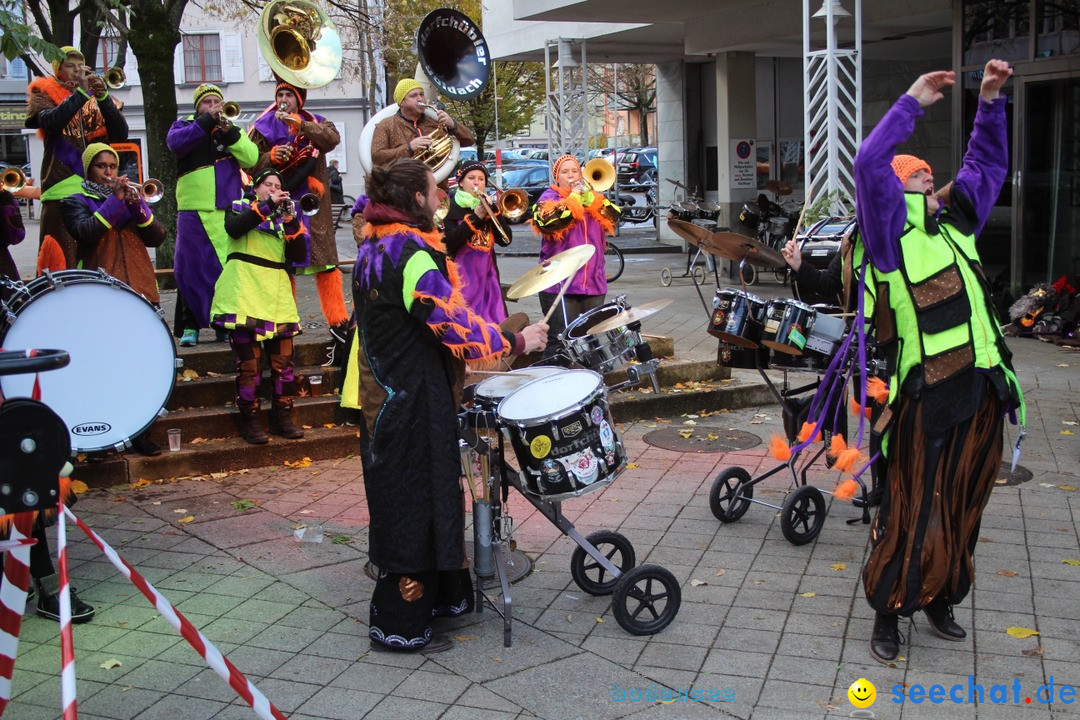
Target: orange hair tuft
<point>877,390</point>
<point>807,430</point>
<point>848,460</point>
<point>779,449</point>
<point>846,489</point>
<point>837,445</point>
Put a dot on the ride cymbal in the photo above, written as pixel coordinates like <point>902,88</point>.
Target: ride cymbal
<point>778,187</point>
<point>740,247</point>
<point>629,315</point>
<point>551,271</point>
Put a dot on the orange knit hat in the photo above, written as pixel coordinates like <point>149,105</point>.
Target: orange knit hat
<point>559,163</point>
<point>907,165</point>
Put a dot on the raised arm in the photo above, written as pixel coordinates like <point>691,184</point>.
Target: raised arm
<point>986,161</point>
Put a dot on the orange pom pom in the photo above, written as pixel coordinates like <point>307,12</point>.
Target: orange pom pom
<point>849,459</point>
<point>846,489</point>
<point>837,445</point>
<point>856,408</point>
<point>808,429</point>
<point>877,390</point>
<point>779,448</point>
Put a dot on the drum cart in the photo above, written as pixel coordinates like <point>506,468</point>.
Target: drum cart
<point>645,598</point>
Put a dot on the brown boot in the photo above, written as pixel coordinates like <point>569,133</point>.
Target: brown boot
<point>281,422</point>
<point>250,426</point>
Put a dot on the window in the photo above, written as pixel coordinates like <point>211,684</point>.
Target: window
<point>202,58</point>
<point>107,51</point>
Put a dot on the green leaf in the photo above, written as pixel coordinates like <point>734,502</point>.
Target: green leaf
<point>242,505</point>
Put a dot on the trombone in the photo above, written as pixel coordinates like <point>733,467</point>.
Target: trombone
<point>13,179</point>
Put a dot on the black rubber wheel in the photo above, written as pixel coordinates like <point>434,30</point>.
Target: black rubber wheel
<point>730,495</point>
<point>646,600</point>
<point>591,576</point>
<point>803,515</point>
<point>614,263</point>
<point>749,274</point>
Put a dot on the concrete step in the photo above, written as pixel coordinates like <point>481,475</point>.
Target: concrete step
<point>222,420</point>
<point>219,388</point>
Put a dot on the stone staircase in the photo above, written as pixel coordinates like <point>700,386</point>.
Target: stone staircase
<point>201,407</point>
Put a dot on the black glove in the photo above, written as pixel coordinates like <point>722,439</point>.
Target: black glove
<point>230,136</point>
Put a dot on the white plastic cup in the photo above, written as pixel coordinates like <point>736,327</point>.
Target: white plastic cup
<point>174,439</point>
<point>315,381</point>
<point>309,534</point>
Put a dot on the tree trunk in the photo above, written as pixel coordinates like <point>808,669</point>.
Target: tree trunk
<point>153,39</point>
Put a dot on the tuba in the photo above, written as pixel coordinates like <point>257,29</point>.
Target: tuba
<point>299,42</point>
<point>454,58</point>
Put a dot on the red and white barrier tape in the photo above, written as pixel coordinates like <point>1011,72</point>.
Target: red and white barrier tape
<point>218,662</point>
<point>67,642</point>
<point>16,580</point>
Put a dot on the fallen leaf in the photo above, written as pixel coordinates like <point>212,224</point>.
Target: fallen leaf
<point>78,487</point>
<point>141,482</point>
<point>1067,488</point>
<point>632,466</point>
<point>599,619</point>
<point>329,425</point>
<point>712,436</point>
<point>808,594</point>
<point>696,582</point>
<point>1071,561</point>
<point>242,504</point>
<point>686,434</point>
<point>340,539</point>
<point>219,475</point>
<point>198,441</point>
<point>303,463</point>
<point>1033,652</point>
<point>1067,432</point>
<point>720,572</point>
<point>569,618</point>
<point>188,374</point>
<point>465,638</point>
<point>1069,422</point>
<point>211,373</point>
<point>185,520</point>
<point>180,511</point>
<point>1021,632</point>
<point>837,567</point>
<point>1000,481</point>
<point>1007,573</point>
<point>689,422</point>
<point>110,664</point>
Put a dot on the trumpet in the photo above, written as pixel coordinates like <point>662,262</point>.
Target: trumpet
<point>115,78</point>
<point>13,179</point>
<point>308,204</point>
<point>151,190</point>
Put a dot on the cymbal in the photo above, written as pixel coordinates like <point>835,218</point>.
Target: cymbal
<point>778,187</point>
<point>678,184</point>
<point>630,315</point>
<point>739,247</point>
<point>551,271</point>
<point>694,234</point>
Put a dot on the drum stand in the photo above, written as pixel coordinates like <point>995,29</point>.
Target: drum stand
<point>645,598</point>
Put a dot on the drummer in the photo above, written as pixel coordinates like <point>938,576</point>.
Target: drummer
<point>568,214</point>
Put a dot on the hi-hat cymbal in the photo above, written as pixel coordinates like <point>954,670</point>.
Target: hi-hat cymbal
<point>629,315</point>
<point>677,184</point>
<point>740,247</point>
<point>693,234</point>
<point>778,187</point>
<point>551,271</point>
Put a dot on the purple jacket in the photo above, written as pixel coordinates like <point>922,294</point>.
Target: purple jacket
<point>591,279</point>
<point>880,205</point>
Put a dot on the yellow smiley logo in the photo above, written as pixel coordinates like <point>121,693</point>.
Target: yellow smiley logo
<point>862,693</point>
<point>540,446</point>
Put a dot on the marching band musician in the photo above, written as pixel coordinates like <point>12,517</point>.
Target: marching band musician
<point>210,152</point>
<point>112,226</point>
<point>568,214</point>
<point>470,238</point>
<point>417,333</point>
<point>294,141</point>
<point>69,110</point>
<point>401,135</point>
<point>254,302</point>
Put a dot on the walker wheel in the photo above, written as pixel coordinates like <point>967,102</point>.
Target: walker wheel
<point>646,600</point>
<point>802,515</point>
<point>699,275</point>
<point>730,495</point>
<point>665,276</point>
<point>591,576</point>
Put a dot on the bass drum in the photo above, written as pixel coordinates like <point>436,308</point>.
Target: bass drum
<point>367,135</point>
<point>123,359</point>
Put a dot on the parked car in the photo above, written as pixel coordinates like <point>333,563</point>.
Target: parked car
<point>635,163</point>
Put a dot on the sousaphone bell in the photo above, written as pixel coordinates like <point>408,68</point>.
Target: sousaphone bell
<point>299,42</point>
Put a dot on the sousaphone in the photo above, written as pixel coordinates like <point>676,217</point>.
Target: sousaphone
<point>454,58</point>
<point>299,42</point>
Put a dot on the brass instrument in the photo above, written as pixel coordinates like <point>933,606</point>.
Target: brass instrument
<point>115,78</point>
<point>444,208</point>
<point>309,204</point>
<point>492,213</point>
<point>299,42</point>
<point>598,175</point>
<point>13,179</point>
<point>230,110</point>
<point>514,204</point>
<point>151,190</point>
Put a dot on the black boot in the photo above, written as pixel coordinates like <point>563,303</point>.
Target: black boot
<point>873,498</point>
<point>940,615</point>
<point>143,445</point>
<point>338,349</point>
<point>885,639</point>
<point>48,601</point>
<point>250,426</point>
<point>281,422</point>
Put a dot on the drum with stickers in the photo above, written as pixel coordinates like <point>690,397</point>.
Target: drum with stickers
<point>563,436</point>
<point>123,359</point>
<point>787,325</point>
<point>608,350</point>
<point>738,317</point>
<point>822,343</point>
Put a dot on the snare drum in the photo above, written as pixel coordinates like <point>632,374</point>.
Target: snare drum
<point>787,325</point>
<point>604,352</point>
<point>491,391</point>
<point>750,216</point>
<point>123,360</point>
<point>563,436</point>
<point>778,226</point>
<point>708,210</point>
<point>737,317</point>
<point>684,210</point>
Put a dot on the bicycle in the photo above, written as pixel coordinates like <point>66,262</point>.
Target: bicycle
<point>614,262</point>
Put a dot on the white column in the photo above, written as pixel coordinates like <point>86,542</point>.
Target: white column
<point>671,136</point>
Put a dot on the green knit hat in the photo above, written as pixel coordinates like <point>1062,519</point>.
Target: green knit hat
<point>92,151</point>
<point>206,89</point>
<point>68,51</point>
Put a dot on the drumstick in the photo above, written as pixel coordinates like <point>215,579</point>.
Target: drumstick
<point>466,468</point>
<point>486,479</point>
<point>558,299</point>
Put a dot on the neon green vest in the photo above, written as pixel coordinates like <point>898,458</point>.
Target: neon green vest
<point>936,303</point>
